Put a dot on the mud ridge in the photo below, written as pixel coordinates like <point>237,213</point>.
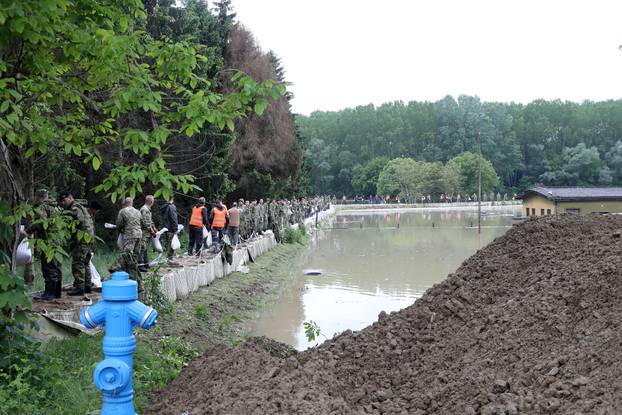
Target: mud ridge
<point>528,325</point>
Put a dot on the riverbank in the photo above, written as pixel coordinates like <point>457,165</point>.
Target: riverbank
<point>218,314</point>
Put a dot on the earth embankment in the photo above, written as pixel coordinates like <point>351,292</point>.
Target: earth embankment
<point>529,324</point>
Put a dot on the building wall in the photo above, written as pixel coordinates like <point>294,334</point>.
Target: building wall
<point>590,207</point>
<point>537,205</point>
<point>542,204</point>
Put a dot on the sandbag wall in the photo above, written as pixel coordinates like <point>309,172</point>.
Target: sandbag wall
<point>178,283</point>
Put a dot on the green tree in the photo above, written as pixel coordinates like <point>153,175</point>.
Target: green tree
<point>365,177</point>
<point>580,166</point>
<point>466,166</point>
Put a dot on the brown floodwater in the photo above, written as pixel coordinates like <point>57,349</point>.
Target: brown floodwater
<point>374,261</point>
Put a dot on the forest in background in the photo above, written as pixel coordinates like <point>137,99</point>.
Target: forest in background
<point>550,142</point>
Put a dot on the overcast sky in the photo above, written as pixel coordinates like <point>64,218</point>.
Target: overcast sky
<point>344,53</point>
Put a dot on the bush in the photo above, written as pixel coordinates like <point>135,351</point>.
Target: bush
<point>292,235</point>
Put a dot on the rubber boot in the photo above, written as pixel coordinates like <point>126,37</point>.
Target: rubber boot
<point>76,292</point>
<point>48,293</point>
<point>58,286</point>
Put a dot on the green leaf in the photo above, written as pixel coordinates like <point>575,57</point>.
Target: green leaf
<point>97,162</point>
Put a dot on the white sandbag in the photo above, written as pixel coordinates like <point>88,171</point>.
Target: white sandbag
<point>208,239</point>
<point>120,241</point>
<point>180,228</point>
<point>175,244</point>
<point>110,226</point>
<point>168,286</point>
<point>23,255</point>
<point>192,278</point>
<point>181,285</point>
<point>96,279</point>
<point>157,245</point>
<point>205,232</point>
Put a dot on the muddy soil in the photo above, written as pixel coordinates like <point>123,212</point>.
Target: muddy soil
<point>528,325</point>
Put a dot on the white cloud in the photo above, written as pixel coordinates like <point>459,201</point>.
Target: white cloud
<point>343,53</point>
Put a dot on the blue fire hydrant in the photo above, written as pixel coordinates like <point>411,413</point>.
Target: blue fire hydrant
<point>119,313</point>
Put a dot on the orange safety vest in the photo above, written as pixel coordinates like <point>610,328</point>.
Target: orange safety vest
<point>219,218</point>
<point>197,218</point>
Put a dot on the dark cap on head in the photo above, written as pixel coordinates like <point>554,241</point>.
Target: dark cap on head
<point>65,194</point>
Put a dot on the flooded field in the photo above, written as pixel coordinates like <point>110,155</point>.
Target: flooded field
<point>373,261</point>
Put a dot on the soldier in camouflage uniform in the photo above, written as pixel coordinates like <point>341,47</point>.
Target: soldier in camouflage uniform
<point>261,213</point>
<point>51,270</point>
<point>252,212</point>
<point>148,231</point>
<point>130,224</point>
<point>81,244</point>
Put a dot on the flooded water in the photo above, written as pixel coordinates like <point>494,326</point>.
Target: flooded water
<point>374,261</point>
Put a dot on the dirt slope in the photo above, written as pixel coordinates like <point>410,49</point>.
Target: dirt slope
<point>529,325</point>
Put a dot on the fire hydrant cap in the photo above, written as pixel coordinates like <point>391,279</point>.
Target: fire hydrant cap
<point>120,288</point>
<point>111,375</point>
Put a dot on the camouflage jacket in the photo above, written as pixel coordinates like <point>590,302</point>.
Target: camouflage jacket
<point>146,221</point>
<point>47,210</point>
<point>85,224</point>
<point>130,223</point>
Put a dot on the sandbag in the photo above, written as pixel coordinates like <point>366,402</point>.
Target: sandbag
<point>205,232</point>
<point>96,279</point>
<point>180,228</point>
<point>110,226</point>
<point>157,245</point>
<point>23,255</point>
<point>175,244</point>
<point>208,239</point>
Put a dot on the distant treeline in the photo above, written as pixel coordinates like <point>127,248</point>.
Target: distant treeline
<point>550,142</point>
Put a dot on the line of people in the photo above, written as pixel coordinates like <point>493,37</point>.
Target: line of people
<point>137,229</point>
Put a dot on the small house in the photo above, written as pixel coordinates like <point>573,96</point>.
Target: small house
<point>540,200</point>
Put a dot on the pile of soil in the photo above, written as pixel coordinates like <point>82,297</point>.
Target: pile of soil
<point>530,324</point>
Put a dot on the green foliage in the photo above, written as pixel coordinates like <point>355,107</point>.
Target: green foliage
<point>153,294</point>
<point>291,235</point>
<point>523,142</point>
<point>466,168</point>
<point>411,179</point>
<point>312,330</point>
<point>201,312</point>
<point>158,365</point>
<point>581,166</point>
<point>365,176</point>
<point>226,321</point>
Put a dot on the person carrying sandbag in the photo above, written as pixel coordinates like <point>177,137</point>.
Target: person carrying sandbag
<point>169,217</point>
<point>196,227</point>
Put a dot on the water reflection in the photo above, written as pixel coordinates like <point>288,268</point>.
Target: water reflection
<point>375,261</point>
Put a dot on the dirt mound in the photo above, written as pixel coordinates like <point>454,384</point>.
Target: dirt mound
<point>530,324</point>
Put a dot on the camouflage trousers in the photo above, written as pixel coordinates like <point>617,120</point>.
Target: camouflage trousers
<point>128,259</point>
<point>144,250</point>
<point>80,258</point>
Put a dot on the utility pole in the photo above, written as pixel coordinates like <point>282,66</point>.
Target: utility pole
<point>479,184</point>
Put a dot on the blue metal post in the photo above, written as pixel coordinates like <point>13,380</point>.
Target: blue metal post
<point>118,313</point>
